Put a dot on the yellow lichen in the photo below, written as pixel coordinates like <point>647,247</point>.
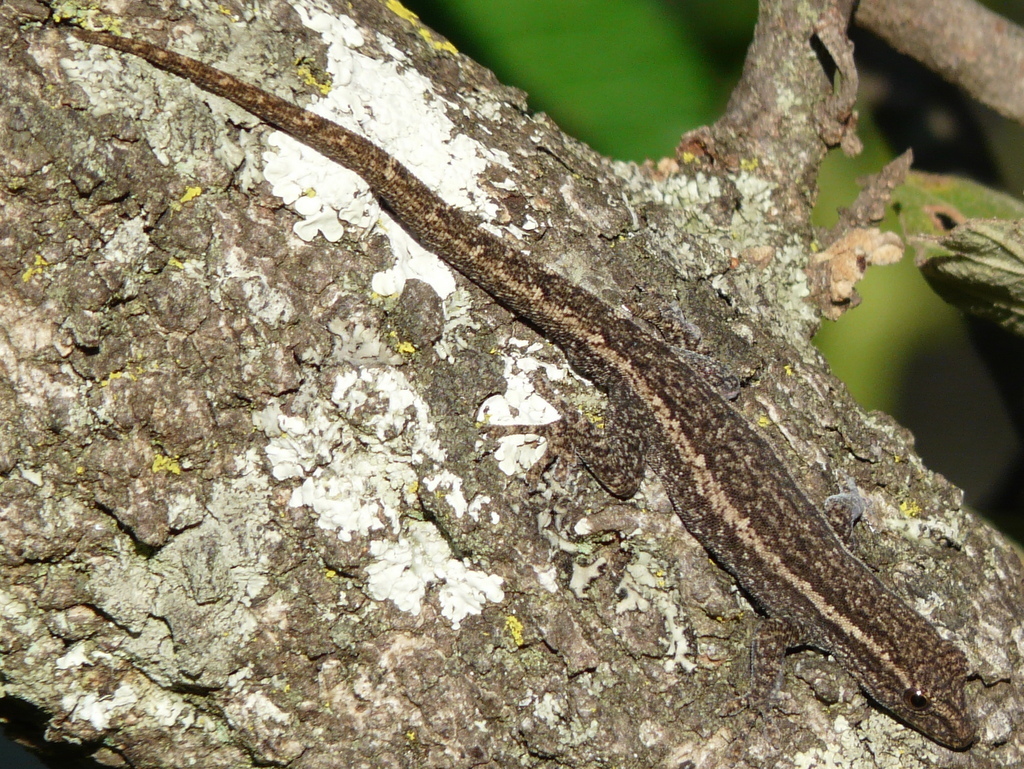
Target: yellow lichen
<point>309,76</point>
<point>910,508</point>
<point>115,375</point>
<point>165,464</point>
<point>38,267</point>
<point>436,43</point>
<point>514,628</point>
<point>190,194</point>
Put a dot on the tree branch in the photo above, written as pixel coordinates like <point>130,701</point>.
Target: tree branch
<point>795,98</point>
<point>962,40</point>
<point>245,518</point>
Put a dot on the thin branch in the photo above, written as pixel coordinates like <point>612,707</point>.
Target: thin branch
<point>969,45</point>
<point>795,98</point>
<point>874,197</point>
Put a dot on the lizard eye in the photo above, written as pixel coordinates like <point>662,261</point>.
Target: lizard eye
<point>915,699</point>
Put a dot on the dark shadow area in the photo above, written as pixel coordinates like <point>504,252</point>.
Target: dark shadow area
<point>21,731</point>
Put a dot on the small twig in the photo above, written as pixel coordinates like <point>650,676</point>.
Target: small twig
<point>969,45</point>
<point>854,244</point>
<point>869,207</point>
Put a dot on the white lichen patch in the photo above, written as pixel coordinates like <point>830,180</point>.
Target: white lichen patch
<point>584,574</point>
<point>354,480</point>
<point>115,85</point>
<point>843,745</point>
<point>406,419</point>
<point>436,484</point>
<point>692,194</point>
<point>643,587</point>
<point>99,710</point>
<point>915,528</point>
<point>683,192</point>
<point>271,305</point>
<point>128,702</point>
<point>259,706</point>
<point>395,107</point>
<point>547,578</point>
<point>357,457</point>
<point>550,709</point>
<point>129,244</point>
<point>520,405</point>
<point>360,344</point>
<point>412,262</point>
<point>169,710</point>
<point>78,656</point>
<point>755,203</point>
<point>458,324</point>
<point>32,476</point>
<point>403,569</point>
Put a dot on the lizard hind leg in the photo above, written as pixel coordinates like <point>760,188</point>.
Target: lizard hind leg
<point>613,451</point>
<point>610,445</point>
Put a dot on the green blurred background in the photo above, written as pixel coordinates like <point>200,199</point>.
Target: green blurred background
<point>630,76</point>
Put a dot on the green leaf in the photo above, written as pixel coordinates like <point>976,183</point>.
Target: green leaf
<point>933,204</point>
<point>969,243</point>
<point>982,270</point>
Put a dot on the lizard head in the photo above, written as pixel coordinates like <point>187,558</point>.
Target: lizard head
<point>931,699</point>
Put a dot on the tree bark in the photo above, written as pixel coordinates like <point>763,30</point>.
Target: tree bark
<point>248,515</point>
<point>961,40</point>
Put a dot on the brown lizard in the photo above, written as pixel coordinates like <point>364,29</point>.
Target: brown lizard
<point>727,485</point>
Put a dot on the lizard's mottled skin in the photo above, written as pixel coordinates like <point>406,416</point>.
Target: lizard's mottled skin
<point>728,486</point>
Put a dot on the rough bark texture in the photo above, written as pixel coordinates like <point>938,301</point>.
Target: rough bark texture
<point>177,368</point>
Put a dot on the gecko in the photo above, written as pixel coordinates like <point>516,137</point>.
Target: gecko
<point>733,493</point>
